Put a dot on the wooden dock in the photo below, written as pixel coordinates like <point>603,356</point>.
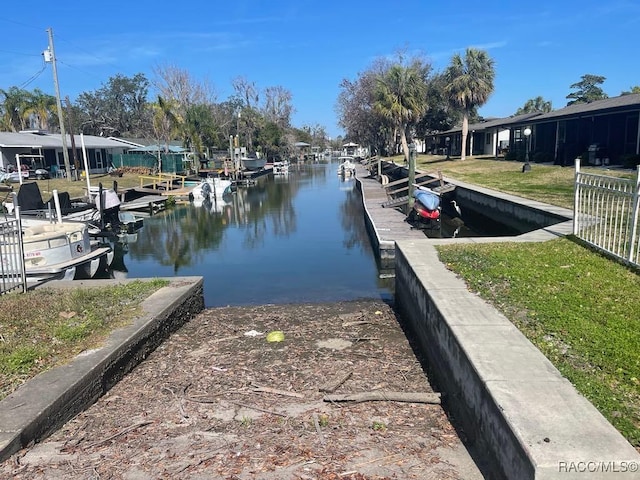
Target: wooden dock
<point>147,203</point>
<point>385,225</point>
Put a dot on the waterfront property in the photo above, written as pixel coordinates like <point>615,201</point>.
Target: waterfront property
<point>603,132</point>
<point>43,150</point>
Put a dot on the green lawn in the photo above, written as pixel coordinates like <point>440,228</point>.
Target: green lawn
<point>578,307</point>
<point>545,183</point>
<point>42,329</point>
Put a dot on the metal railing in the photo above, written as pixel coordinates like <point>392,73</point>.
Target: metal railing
<point>605,214</point>
<point>12,268</point>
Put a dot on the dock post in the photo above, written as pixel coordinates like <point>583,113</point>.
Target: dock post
<point>412,174</point>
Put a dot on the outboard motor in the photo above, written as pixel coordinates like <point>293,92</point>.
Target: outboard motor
<point>206,190</point>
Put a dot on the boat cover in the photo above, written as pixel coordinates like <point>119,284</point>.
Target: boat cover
<point>429,200</point>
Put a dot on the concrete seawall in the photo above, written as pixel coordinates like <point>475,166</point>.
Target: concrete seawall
<point>515,406</point>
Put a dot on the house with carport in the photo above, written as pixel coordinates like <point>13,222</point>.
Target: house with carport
<point>39,149</point>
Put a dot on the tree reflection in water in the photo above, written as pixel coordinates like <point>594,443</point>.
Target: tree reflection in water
<point>292,238</point>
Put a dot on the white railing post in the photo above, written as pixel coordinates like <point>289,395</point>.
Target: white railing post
<point>576,196</point>
<point>634,218</point>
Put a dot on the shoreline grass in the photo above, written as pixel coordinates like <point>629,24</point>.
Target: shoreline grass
<point>577,307</point>
<point>42,329</point>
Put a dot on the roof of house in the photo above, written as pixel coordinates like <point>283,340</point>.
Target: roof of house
<point>143,142</point>
<point>159,148</point>
<point>494,123</point>
<point>630,100</point>
<point>52,140</point>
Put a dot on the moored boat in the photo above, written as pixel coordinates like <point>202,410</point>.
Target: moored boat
<point>281,168</point>
<point>210,188</point>
<point>253,162</point>
<point>426,206</point>
<point>347,167</point>
<point>62,250</point>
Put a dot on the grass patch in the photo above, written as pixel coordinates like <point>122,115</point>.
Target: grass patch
<point>43,328</point>
<point>550,184</point>
<point>579,308</point>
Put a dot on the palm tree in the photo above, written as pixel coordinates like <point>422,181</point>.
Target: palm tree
<point>41,108</point>
<point>14,109</point>
<point>401,97</point>
<point>469,83</point>
<point>534,105</point>
<point>166,124</point>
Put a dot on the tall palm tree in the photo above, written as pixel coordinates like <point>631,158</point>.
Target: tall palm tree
<point>469,84</point>
<point>14,109</point>
<point>401,97</point>
<point>42,107</point>
<point>166,124</point>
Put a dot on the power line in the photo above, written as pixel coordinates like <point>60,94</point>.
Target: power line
<point>33,77</point>
<point>103,60</point>
<point>20,53</point>
<point>79,69</point>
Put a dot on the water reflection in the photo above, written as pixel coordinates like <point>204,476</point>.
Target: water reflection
<point>294,238</point>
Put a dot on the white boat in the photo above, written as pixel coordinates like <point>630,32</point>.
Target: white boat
<point>281,168</point>
<point>210,188</point>
<point>62,250</point>
<point>253,162</point>
<point>218,205</point>
<point>347,167</point>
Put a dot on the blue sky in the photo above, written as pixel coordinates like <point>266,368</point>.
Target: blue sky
<point>308,47</point>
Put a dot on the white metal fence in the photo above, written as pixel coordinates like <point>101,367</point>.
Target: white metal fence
<point>605,214</point>
<point>12,270</point>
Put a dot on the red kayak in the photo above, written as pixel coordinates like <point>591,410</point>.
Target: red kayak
<point>425,213</point>
<point>427,204</point>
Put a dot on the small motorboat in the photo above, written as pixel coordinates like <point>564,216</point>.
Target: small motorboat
<point>253,162</point>
<point>347,167</point>
<point>281,168</point>
<point>211,188</point>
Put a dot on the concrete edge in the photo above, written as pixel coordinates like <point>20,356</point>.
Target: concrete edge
<point>511,401</point>
<point>385,248</point>
<point>48,401</point>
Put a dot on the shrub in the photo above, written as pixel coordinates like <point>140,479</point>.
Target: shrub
<point>630,160</point>
<point>510,155</point>
<point>542,157</point>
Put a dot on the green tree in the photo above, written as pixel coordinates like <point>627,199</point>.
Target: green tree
<point>14,109</point>
<point>273,140</point>
<point>587,90</point>
<point>356,114</point>
<point>118,108</point>
<point>534,105</point>
<point>469,85</point>
<point>634,89</point>
<point>40,109</point>
<point>400,96</point>
<point>440,115</point>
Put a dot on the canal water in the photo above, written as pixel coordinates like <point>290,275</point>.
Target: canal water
<point>298,238</point>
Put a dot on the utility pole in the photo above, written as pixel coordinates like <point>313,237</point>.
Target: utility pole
<point>50,57</point>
